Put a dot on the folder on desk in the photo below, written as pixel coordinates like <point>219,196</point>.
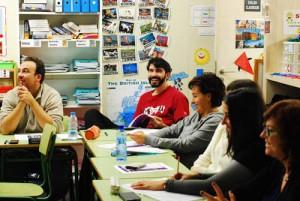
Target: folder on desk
<point>76,6</point>
<point>94,6</point>
<point>67,6</point>
<point>58,6</point>
<point>85,6</point>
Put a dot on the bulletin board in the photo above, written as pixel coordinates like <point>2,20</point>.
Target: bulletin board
<point>2,31</point>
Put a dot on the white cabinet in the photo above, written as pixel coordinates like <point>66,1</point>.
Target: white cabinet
<point>55,50</point>
<point>291,57</point>
<point>282,59</point>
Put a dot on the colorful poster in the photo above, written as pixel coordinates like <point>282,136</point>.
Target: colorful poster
<point>249,34</point>
<point>2,32</point>
<point>291,22</point>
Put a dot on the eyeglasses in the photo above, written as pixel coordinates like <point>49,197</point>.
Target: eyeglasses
<point>269,132</point>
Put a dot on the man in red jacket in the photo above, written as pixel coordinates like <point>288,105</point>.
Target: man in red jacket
<point>164,104</point>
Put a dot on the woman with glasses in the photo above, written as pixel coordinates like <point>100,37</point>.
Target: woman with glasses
<point>243,109</point>
<point>280,181</point>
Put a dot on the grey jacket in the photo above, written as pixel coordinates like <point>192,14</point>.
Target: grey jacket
<point>188,137</point>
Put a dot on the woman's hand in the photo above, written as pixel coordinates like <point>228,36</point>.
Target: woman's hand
<point>149,185</point>
<point>220,195</point>
<point>138,137</point>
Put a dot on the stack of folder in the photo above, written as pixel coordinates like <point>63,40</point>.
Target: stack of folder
<point>76,6</point>
<point>35,5</point>
<point>87,96</point>
<point>57,68</point>
<point>39,28</point>
<point>86,65</point>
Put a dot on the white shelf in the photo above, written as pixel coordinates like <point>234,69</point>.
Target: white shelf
<point>283,80</point>
<point>69,40</point>
<point>52,13</point>
<point>73,73</point>
<point>73,104</point>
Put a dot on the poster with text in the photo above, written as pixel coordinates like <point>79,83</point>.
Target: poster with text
<point>249,34</point>
<point>122,98</point>
<point>291,23</point>
<point>2,31</point>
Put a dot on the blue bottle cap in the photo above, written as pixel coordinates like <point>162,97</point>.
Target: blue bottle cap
<point>121,127</point>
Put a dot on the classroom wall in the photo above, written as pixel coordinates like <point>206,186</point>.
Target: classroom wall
<point>226,13</point>
<point>184,40</point>
<point>12,28</point>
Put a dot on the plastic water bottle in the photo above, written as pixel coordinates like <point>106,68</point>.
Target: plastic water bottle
<point>73,126</point>
<point>121,148</point>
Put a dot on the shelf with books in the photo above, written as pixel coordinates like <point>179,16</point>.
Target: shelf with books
<point>60,38</point>
<point>53,13</point>
<point>8,77</point>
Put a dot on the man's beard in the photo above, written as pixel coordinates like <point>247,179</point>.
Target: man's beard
<point>160,81</point>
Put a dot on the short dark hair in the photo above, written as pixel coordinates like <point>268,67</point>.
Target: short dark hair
<point>40,66</point>
<point>286,116</point>
<point>245,112</point>
<point>159,63</point>
<point>242,83</point>
<point>210,83</point>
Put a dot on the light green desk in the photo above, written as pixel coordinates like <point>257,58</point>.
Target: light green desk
<point>105,166</point>
<point>93,145</point>
<point>96,151</point>
<point>24,143</point>
<point>105,135</point>
<point>102,188</point>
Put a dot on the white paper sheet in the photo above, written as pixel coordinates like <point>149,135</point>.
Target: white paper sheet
<point>146,149</point>
<point>63,136</point>
<point>146,131</point>
<point>113,145</point>
<point>163,195</point>
<point>25,136</point>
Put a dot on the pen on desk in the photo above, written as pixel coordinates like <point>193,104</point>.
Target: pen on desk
<point>178,161</point>
<point>6,141</point>
<point>105,133</point>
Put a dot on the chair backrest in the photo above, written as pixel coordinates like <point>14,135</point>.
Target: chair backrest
<point>46,149</point>
<point>47,140</point>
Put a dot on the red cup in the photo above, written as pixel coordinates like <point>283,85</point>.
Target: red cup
<point>92,133</point>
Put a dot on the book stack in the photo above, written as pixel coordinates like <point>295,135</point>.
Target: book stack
<point>57,68</point>
<point>72,28</point>
<point>87,96</point>
<point>39,29</point>
<point>88,31</point>
<point>86,65</point>
<point>34,5</point>
<point>61,33</point>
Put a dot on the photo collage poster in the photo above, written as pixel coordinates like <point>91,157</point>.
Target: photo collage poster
<point>2,31</point>
<point>133,32</point>
<point>249,34</point>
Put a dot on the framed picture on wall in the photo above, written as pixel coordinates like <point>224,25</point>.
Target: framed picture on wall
<point>2,31</point>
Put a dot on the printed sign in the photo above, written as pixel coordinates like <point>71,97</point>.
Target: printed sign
<point>31,43</point>
<point>57,43</point>
<point>83,43</point>
<point>252,5</point>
